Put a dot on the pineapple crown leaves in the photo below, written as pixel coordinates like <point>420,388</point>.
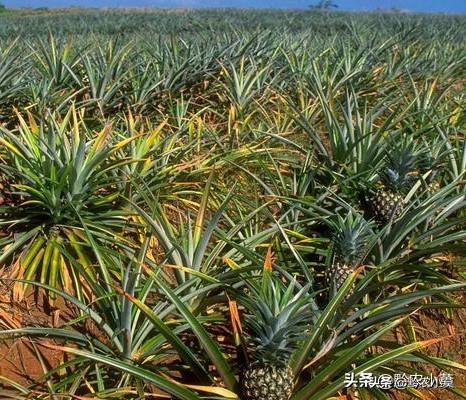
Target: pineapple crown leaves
<point>351,238</point>
<point>59,169</point>
<point>401,162</point>
<point>277,318</point>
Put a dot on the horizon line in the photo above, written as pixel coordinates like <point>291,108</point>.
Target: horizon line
<point>308,8</point>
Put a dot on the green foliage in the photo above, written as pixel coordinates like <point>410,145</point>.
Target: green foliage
<point>151,163</point>
<point>352,235</point>
<point>277,320</point>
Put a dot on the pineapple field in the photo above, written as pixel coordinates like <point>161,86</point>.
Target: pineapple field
<point>232,204</point>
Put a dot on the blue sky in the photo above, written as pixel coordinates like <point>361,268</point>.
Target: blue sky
<point>455,6</point>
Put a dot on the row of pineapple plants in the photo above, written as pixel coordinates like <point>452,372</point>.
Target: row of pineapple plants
<point>234,72</point>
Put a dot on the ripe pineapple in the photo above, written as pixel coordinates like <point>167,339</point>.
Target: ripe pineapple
<point>395,181</point>
<point>277,321</point>
<point>350,243</point>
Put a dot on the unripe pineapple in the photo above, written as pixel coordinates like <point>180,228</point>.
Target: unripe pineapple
<point>278,319</point>
<point>395,181</point>
<point>268,382</point>
<point>337,275</point>
<point>433,187</point>
<point>387,205</point>
<point>350,244</point>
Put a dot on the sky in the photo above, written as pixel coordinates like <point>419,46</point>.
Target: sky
<point>449,6</point>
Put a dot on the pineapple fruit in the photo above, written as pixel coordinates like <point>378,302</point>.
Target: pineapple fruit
<point>433,187</point>
<point>276,322</point>
<point>396,179</point>
<point>388,205</point>
<point>350,243</point>
<point>268,382</point>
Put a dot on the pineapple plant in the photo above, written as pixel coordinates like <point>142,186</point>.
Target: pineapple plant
<point>396,179</point>
<point>56,184</point>
<point>276,323</point>
<point>351,238</point>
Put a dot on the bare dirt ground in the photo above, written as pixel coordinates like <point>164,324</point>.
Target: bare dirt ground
<point>433,325</point>
<point>22,359</point>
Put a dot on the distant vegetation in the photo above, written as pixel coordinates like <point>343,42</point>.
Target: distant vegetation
<point>324,5</point>
<point>195,23</point>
